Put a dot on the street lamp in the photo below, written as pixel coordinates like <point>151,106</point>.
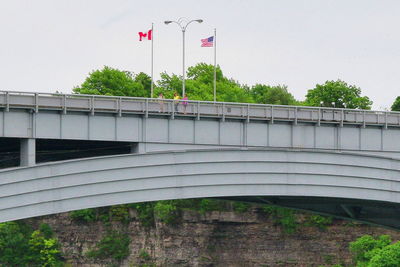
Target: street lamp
<point>183,24</point>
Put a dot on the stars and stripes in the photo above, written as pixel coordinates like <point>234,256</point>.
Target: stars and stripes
<point>208,42</point>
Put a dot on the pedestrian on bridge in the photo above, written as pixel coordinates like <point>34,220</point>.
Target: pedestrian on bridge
<point>184,103</point>
<point>161,102</point>
<point>176,101</point>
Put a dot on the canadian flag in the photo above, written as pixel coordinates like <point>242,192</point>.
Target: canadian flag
<point>144,35</point>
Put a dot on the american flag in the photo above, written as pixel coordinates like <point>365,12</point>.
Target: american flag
<point>209,42</point>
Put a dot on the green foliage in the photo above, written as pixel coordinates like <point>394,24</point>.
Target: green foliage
<point>120,213</point>
<point>109,81</point>
<point>318,221</point>
<point>278,95</point>
<point>145,212</point>
<point>144,255</point>
<point>365,247</point>
<point>44,252</point>
<point>19,246</point>
<point>284,217</point>
<point>46,230</point>
<point>209,204</point>
<point>339,93</point>
<point>388,256</point>
<point>240,206</point>
<point>85,215</point>
<point>14,247</point>
<point>114,245</point>
<point>166,211</point>
<point>396,104</point>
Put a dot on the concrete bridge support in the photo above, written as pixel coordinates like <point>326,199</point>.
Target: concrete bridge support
<point>28,152</point>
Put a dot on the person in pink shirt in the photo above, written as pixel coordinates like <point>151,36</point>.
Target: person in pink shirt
<point>184,103</point>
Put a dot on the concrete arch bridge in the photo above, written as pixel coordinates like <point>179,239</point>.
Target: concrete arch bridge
<point>361,187</point>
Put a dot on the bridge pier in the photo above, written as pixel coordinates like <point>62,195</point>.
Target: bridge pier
<point>28,152</point>
<point>138,148</point>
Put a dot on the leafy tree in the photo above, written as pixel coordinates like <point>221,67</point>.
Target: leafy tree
<point>14,246</point>
<point>396,104</point>
<point>337,94</point>
<point>19,246</point>
<point>109,81</point>
<point>278,95</point>
<point>388,256</point>
<point>365,247</point>
<point>44,251</point>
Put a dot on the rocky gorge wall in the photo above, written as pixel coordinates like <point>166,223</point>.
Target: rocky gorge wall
<point>217,238</point>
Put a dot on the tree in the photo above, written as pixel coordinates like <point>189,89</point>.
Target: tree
<point>396,104</point>
<point>337,94</point>
<point>366,248</point>
<point>109,81</point>
<point>14,247</point>
<point>278,95</point>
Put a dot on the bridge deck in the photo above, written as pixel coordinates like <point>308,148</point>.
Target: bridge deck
<point>199,109</point>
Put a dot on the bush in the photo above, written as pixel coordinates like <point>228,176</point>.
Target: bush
<point>120,213</point>
<point>240,206</point>
<point>284,217</point>
<point>145,213</point>
<point>318,221</point>
<point>114,245</point>
<point>208,204</point>
<point>85,215</point>
<point>166,211</point>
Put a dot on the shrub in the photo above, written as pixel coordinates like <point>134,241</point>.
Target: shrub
<point>208,204</point>
<point>85,215</point>
<point>318,221</point>
<point>166,211</point>
<point>284,217</point>
<point>114,245</point>
<point>120,213</point>
<point>145,213</point>
<point>241,206</point>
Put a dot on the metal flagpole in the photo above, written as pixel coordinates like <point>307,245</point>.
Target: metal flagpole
<point>215,65</point>
<point>152,80</point>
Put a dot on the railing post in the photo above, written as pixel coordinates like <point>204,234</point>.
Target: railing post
<point>7,101</point>
<point>364,123</point>
<point>295,116</point>
<point>198,110</point>
<point>386,122</point>
<point>92,105</point>
<point>272,114</point>
<point>341,118</point>
<point>319,116</point>
<point>36,103</point>
<point>223,112</point>
<point>248,113</point>
<point>120,106</point>
<point>172,110</point>
<point>146,107</point>
<point>64,104</point>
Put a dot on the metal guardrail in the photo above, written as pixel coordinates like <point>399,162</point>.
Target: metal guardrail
<point>198,109</point>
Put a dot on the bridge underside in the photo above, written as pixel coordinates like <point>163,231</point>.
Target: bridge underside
<point>360,187</point>
<point>370,212</point>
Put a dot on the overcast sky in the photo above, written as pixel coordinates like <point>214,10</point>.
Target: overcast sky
<point>48,45</point>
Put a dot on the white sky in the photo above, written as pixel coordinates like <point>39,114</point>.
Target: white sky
<point>48,45</point>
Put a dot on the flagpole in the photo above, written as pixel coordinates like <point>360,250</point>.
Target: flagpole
<point>215,65</point>
<point>152,80</point>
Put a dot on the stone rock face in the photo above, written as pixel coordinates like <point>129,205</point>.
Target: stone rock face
<point>214,239</point>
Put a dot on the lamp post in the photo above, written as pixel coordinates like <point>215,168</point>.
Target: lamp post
<point>183,23</point>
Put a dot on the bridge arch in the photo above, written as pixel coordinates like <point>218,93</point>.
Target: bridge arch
<point>364,187</point>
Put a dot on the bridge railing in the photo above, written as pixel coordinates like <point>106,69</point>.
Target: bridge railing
<point>199,109</point>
